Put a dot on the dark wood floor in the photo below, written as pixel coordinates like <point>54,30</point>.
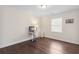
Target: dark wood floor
<point>42,46</point>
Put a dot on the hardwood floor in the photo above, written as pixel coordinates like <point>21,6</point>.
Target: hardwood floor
<point>42,46</point>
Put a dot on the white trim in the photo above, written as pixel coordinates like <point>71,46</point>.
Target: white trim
<point>63,40</point>
<point>12,43</point>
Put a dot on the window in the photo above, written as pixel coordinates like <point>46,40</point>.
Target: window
<point>56,25</point>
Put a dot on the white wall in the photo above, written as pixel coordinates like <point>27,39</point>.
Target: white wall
<point>0,24</point>
<point>70,32</point>
<point>15,25</point>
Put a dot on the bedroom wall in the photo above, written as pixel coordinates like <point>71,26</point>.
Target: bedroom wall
<point>70,32</point>
<point>0,25</point>
<point>15,25</point>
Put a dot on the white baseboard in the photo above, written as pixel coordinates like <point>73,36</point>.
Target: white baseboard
<point>12,43</point>
<point>63,40</point>
<point>19,41</point>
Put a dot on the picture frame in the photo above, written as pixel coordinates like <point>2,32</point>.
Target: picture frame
<point>68,21</point>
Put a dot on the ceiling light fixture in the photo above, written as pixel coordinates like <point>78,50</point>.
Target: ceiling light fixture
<point>43,6</point>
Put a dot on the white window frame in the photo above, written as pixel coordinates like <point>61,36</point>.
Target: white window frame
<point>56,25</point>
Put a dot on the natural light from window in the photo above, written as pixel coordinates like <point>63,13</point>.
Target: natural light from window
<point>56,25</point>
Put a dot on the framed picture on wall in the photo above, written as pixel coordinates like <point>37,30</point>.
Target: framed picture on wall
<point>69,20</point>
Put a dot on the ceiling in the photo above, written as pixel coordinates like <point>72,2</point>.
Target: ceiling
<point>51,9</point>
